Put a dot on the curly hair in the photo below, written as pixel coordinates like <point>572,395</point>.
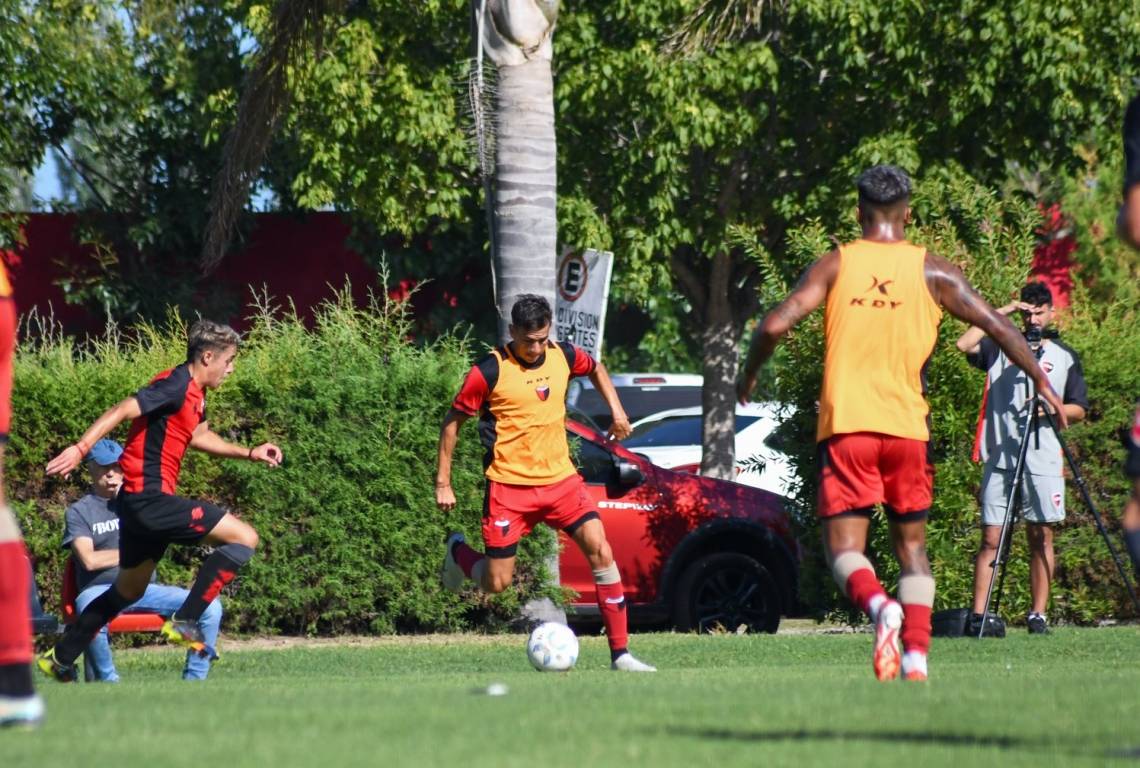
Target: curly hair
<point>883,185</point>
<point>1037,294</point>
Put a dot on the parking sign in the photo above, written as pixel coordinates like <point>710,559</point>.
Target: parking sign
<point>583,290</point>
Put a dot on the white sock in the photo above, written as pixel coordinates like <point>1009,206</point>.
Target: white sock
<point>914,661</point>
<point>875,604</point>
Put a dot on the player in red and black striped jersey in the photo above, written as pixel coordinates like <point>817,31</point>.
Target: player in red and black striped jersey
<point>168,416</point>
<point>1128,225</point>
<point>519,392</point>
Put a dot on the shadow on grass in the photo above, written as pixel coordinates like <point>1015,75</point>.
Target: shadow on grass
<point>830,734</point>
<point>895,737</point>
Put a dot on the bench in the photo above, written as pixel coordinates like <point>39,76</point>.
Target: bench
<point>124,622</point>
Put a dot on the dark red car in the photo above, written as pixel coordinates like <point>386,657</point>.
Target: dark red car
<point>694,552</point>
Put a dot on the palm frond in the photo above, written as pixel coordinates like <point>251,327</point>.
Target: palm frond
<point>718,21</point>
<point>296,31</point>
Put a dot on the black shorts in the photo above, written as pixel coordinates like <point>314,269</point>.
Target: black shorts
<point>149,522</point>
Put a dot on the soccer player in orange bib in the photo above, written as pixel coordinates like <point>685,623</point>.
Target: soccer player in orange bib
<point>884,300</point>
<point>20,706</point>
<point>519,392</point>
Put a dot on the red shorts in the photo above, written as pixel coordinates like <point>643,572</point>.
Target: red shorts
<point>511,511</point>
<point>862,469</point>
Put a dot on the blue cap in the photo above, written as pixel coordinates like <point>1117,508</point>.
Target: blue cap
<point>105,453</point>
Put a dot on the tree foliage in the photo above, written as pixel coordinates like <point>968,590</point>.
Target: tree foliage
<point>667,152</point>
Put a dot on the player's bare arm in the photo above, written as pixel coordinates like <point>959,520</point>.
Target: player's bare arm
<point>970,342</point>
<point>208,441</point>
<point>1128,220</point>
<point>620,429</point>
<point>72,456</point>
<point>448,437</point>
<point>809,293</point>
<point>953,292</point>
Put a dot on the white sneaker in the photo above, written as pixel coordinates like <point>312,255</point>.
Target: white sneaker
<point>450,573</point>
<point>627,663</point>
<point>22,711</point>
<point>886,659</point>
<point>914,666</point>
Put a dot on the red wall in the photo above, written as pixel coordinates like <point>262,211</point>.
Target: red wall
<point>301,257</point>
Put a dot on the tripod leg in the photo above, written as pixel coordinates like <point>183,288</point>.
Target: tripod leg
<point>1080,481</point>
<point>1003,555</point>
<point>1018,473</point>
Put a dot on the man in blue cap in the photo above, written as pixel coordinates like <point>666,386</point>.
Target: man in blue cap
<point>93,535</point>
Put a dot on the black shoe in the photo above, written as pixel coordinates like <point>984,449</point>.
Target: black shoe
<point>1036,624</point>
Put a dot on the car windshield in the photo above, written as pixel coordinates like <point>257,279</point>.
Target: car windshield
<point>638,401</point>
<point>675,430</point>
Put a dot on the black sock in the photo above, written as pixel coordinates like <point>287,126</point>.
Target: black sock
<point>79,635</point>
<point>1132,541</point>
<point>615,652</point>
<point>219,570</point>
<point>16,680</point>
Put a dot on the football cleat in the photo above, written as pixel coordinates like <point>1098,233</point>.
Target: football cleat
<point>887,658</point>
<point>450,573</point>
<point>627,663</point>
<point>914,666</point>
<point>21,711</point>
<point>63,673</point>
<point>188,635</point>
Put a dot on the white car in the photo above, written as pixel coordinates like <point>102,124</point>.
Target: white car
<point>672,439</point>
<point>641,394</point>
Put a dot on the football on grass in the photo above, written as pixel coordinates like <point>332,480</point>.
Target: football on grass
<point>552,647</point>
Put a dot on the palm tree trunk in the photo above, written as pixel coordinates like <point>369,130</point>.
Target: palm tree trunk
<point>526,230</point>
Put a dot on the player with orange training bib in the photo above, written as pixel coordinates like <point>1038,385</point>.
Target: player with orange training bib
<point>883,300</point>
<point>519,393</point>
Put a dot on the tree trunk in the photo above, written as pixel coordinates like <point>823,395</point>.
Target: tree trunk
<point>720,341</point>
<point>517,37</point>
<point>526,231</point>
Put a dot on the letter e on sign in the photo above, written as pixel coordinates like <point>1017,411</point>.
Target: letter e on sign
<point>572,276</point>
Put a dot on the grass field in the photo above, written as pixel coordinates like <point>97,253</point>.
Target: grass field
<point>1072,699</point>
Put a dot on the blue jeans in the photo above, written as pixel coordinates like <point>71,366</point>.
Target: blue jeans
<point>161,599</point>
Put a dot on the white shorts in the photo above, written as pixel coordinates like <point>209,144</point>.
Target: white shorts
<point>1042,497</point>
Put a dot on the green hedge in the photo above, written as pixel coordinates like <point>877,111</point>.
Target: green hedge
<point>351,537</point>
<point>992,239</point>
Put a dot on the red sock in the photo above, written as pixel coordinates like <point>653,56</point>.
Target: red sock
<point>15,604</point>
<point>611,602</point>
<point>862,586</point>
<point>915,633</point>
<point>466,557</point>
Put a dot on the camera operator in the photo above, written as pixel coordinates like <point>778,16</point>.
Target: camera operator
<point>1043,486</point>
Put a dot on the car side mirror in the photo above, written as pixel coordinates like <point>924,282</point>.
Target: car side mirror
<point>629,473</point>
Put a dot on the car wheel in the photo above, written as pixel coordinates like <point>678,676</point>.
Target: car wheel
<point>727,591</point>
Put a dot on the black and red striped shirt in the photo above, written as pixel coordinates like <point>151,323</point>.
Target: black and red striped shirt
<point>172,405</point>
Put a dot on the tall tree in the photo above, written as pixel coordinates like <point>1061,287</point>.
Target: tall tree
<point>517,37</point>
<point>686,151</point>
<point>123,94</point>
